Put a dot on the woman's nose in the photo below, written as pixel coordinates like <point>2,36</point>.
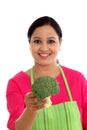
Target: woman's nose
<point>44,47</point>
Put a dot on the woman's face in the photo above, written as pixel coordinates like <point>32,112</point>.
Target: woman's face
<point>44,45</point>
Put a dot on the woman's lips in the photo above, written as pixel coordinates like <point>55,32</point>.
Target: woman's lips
<point>44,55</point>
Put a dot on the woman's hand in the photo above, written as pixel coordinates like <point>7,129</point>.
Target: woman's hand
<point>32,102</point>
<point>27,119</point>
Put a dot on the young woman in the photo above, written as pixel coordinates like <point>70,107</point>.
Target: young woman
<point>69,106</point>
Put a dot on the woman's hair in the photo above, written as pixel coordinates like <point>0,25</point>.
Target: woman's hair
<point>45,20</point>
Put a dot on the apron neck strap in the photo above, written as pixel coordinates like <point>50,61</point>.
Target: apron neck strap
<point>32,75</point>
<point>66,83</point>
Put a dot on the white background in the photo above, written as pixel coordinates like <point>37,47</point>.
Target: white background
<point>15,18</point>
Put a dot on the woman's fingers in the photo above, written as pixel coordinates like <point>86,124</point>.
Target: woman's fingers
<point>33,103</point>
<point>31,98</point>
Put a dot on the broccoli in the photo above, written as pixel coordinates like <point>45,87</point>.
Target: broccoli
<point>44,87</point>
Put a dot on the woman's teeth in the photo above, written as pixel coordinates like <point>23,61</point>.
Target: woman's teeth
<point>44,54</point>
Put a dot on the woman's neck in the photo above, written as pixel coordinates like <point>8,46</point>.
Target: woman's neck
<point>42,70</point>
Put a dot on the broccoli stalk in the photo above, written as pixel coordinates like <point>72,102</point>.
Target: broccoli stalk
<point>44,87</point>
<point>48,102</point>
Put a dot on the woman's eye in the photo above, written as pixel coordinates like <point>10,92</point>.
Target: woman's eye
<point>51,41</point>
<point>37,41</point>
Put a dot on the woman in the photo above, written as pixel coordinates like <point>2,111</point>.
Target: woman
<point>69,106</point>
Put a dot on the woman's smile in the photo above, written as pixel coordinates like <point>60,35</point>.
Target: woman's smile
<point>44,55</point>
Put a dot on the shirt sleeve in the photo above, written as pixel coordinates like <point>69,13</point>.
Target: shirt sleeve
<point>15,103</point>
<point>84,102</point>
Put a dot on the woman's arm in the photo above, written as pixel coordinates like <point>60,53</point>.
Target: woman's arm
<point>26,120</point>
<point>83,83</point>
<point>22,110</point>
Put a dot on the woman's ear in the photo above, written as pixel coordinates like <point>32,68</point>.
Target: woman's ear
<point>30,47</point>
<point>29,44</point>
<point>60,44</point>
<point>60,41</point>
<point>29,41</point>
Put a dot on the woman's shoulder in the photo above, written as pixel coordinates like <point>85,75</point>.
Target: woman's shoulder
<point>21,75</point>
<point>72,73</point>
<point>20,81</point>
<point>70,70</point>
<point>75,77</point>
<point>21,78</point>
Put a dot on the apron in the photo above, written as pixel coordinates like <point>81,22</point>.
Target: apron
<point>63,116</point>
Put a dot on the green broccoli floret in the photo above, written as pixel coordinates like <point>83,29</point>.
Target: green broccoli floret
<point>44,87</point>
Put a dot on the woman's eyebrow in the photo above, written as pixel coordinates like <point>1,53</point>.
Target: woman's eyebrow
<point>36,37</point>
<point>52,37</point>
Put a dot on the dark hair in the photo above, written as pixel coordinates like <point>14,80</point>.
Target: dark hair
<point>45,20</point>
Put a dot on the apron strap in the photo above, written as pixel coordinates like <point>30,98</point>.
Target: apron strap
<point>66,83</point>
<point>32,75</point>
